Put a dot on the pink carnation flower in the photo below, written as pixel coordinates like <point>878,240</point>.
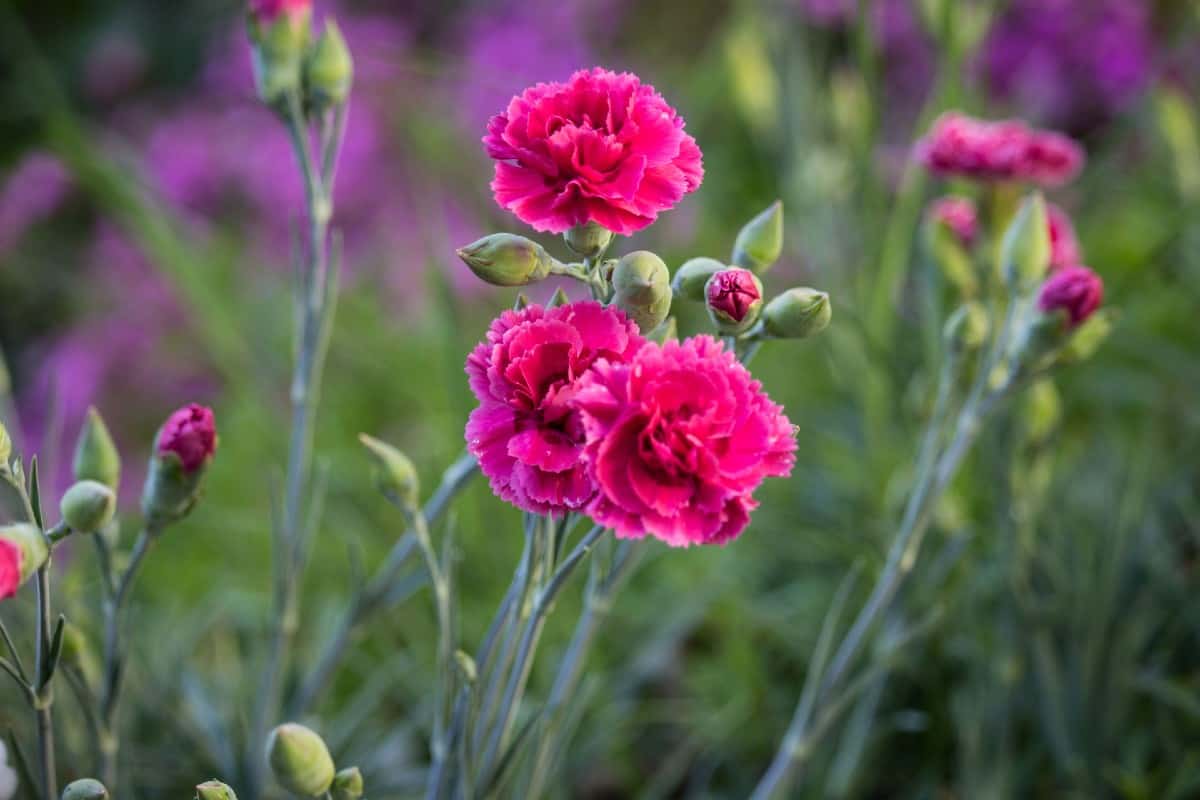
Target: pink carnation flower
<point>191,434</point>
<point>678,440</point>
<point>602,147</point>
<point>1064,246</point>
<point>959,215</point>
<point>526,434</point>
<point>10,568</point>
<point>1005,150</point>
<point>266,11</point>
<point>1075,290</point>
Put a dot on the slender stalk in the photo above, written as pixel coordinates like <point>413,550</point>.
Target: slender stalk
<point>44,690</point>
<point>443,689</point>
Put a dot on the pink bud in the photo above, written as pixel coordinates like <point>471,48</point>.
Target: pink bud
<point>1064,247</point>
<point>191,434</point>
<point>958,214</point>
<point>267,11</point>
<point>1076,290</point>
<point>10,568</point>
<point>734,294</point>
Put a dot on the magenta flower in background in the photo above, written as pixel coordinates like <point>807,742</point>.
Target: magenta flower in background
<point>268,10</point>
<point>10,568</point>
<point>1064,246</point>
<point>959,215</point>
<point>34,190</point>
<point>1076,290</point>
<point>962,146</point>
<point>602,147</point>
<point>526,434</point>
<point>191,434</point>
<point>678,440</point>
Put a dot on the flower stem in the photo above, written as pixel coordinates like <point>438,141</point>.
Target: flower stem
<point>44,694</point>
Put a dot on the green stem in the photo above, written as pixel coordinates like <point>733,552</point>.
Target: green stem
<point>44,691</point>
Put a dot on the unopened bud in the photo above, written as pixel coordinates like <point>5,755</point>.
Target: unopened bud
<point>505,259</point>
<point>96,457</point>
<point>183,449</point>
<point>395,474</point>
<point>77,652</point>
<point>279,33</point>
<point>951,228</point>
<point>1025,250</point>
<point>1088,337</point>
<point>22,551</point>
<point>214,790</point>
<point>734,299</point>
<point>85,789</point>
<point>1073,292</point>
<point>691,278</point>
<point>88,506</point>
<point>347,784</point>
<point>797,313</point>
<point>642,289</point>
<point>589,239</point>
<point>966,329</point>
<point>329,69</point>
<point>5,446</point>
<point>300,760</point>
<point>760,241</point>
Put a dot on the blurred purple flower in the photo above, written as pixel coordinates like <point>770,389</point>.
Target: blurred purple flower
<point>34,190</point>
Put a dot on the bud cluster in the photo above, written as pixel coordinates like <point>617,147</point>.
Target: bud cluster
<point>290,66</point>
<point>302,765</point>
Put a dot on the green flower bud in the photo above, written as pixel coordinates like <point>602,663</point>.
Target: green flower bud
<point>642,288</point>
<point>300,760</point>
<point>88,506</point>
<point>966,329</point>
<point>797,314</point>
<point>29,540</point>
<point>96,457</point>
<point>760,241</point>
<point>395,474</point>
<point>347,784</point>
<point>1043,410</point>
<point>1087,338</point>
<point>85,789</point>
<point>329,69</point>
<point>589,239</point>
<point>5,446</point>
<point>734,299</point>
<point>279,44</point>
<point>1025,250</point>
<point>214,790</point>
<point>505,259</point>
<point>77,652</point>
<point>691,278</point>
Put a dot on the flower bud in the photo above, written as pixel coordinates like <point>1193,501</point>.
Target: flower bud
<point>329,69</point>
<point>1088,337</point>
<point>951,227</point>
<point>183,449</point>
<point>279,33</point>
<point>1025,250</point>
<point>96,457</point>
<point>214,790</point>
<point>760,241</point>
<point>22,550</point>
<point>5,446</point>
<point>966,329</point>
<point>77,652</point>
<point>589,239</point>
<point>734,299</point>
<point>642,289</point>
<point>300,760</point>
<point>505,259</point>
<point>347,784</point>
<point>85,789</point>
<point>88,506</point>
<point>1075,292</point>
<point>692,277</point>
<point>797,313</point>
<point>395,474</point>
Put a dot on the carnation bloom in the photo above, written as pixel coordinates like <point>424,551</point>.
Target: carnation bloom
<point>678,439</point>
<point>1005,150</point>
<point>1075,290</point>
<point>191,434</point>
<point>602,147</point>
<point>10,568</point>
<point>526,434</point>
<point>959,215</point>
<point>267,11</point>
<point>1064,247</point>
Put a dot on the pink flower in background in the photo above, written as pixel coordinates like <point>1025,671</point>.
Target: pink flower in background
<point>1064,246</point>
<point>34,190</point>
<point>10,568</point>
<point>1076,290</point>
<point>191,434</point>
<point>602,147</point>
<point>269,10</point>
<point>959,215</point>
<point>526,434</point>
<point>958,145</point>
<point>678,440</point>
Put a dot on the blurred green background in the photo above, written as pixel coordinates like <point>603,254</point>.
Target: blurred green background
<point>146,210</point>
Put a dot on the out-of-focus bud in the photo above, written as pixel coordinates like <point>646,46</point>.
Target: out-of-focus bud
<point>692,277</point>
<point>734,299</point>
<point>88,506</point>
<point>5,446</point>
<point>279,33</point>
<point>183,449</point>
<point>1064,245</point>
<point>1025,251</point>
<point>797,313</point>
<point>22,550</point>
<point>466,666</point>
<point>300,760</point>
<point>214,790</point>
<point>957,217</point>
<point>85,789</point>
<point>1088,337</point>
<point>395,474</point>
<point>589,239</point>
<point>77,652</point>
<point>951,227</point>
<point>1043,410</point>
<point>505,259</point>
<point>760,241</point>
<point>1074,292</point>
<point>96,457</point>
<point>966,329</point>
<point>347,784</point>
<point>642,289</point>
<point>329,69</point>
